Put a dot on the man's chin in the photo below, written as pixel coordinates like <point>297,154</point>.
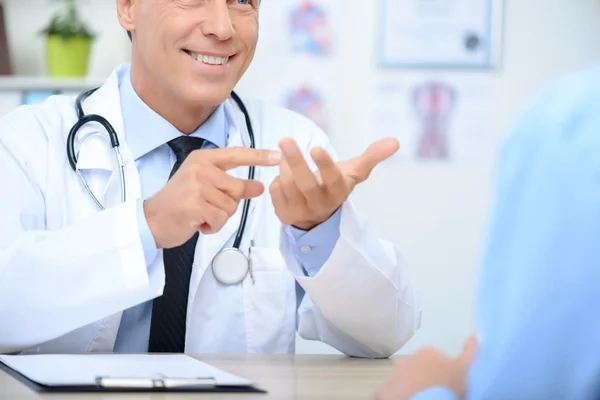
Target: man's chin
<point>207,95</point>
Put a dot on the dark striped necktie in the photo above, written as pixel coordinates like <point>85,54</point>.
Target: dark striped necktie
<point>168,324</point>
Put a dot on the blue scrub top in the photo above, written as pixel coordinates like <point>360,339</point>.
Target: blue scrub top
<point>539,294</point>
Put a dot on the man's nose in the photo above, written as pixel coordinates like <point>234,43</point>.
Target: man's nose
<point>217,21</point>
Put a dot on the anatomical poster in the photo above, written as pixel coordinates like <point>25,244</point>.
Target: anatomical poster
<point>297,57</point>
<point>436,120</point>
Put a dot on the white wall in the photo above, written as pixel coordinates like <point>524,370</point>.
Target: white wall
<point>435,213</point>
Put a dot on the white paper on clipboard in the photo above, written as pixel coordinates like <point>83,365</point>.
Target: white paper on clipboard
<point>85,369</point>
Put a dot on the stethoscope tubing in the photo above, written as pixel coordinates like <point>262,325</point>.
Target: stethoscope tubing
<point>83,119</point>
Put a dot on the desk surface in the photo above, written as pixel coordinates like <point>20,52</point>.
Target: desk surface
<point>285,377</point>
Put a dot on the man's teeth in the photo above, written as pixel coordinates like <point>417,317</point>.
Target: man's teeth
<point>210,59</point>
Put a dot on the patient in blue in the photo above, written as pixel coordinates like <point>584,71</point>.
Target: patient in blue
<point>539,294</point>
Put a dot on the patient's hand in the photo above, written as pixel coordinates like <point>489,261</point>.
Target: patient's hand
<point>426,369</point>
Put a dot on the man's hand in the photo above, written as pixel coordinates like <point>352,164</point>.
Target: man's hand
<point>428,368</point>
<point>201,196</point>
<point>305,199</point>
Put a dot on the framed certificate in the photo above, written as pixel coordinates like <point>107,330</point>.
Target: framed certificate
<point>4,57</point>
<point>438,33</point>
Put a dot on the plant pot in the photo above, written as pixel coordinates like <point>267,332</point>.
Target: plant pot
<point>68,57</point>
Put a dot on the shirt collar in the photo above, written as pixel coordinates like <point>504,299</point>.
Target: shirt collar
<point>145,130</point>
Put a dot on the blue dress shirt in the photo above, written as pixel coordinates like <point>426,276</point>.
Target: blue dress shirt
<point>147,134</point>
<point>540,287</point>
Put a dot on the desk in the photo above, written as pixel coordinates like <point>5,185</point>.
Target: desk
<point>285,377</point>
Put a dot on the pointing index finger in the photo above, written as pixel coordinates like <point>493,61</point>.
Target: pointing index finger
<point>233,157</point>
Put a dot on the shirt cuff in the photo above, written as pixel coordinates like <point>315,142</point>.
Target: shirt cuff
<point>314,247</point>
<point>435,393</point>
<point>148,242</point>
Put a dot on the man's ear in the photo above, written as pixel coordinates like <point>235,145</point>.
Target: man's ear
<point>125,12</point>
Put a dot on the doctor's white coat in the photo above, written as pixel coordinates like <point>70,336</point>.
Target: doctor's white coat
<point>68,270</point>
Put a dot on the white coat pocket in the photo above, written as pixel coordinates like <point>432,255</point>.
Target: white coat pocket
<point>270,303</point>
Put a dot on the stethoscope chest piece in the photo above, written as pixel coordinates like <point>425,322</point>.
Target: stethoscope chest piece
<point>230,266</point>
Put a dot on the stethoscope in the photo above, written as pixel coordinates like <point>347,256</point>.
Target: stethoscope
<point>230,265</point>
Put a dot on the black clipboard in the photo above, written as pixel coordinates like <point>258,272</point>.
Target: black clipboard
<point>135,385</point>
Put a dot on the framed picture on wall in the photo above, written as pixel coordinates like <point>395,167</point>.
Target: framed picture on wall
<point>439,34</point>
<point>5,68</point>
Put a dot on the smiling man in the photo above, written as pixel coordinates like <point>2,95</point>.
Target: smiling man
<point>206,254</point>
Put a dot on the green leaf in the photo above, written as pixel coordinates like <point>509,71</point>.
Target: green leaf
<point>67,22</point>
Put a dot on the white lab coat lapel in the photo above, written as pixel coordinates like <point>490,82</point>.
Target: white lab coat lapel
<point>97,154</point>
<point>210,245</point>
<point>98,162</point>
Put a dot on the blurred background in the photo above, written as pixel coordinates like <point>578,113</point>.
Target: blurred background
<point>446,77</point>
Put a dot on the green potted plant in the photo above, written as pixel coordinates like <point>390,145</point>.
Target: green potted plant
<point>68,43</point>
